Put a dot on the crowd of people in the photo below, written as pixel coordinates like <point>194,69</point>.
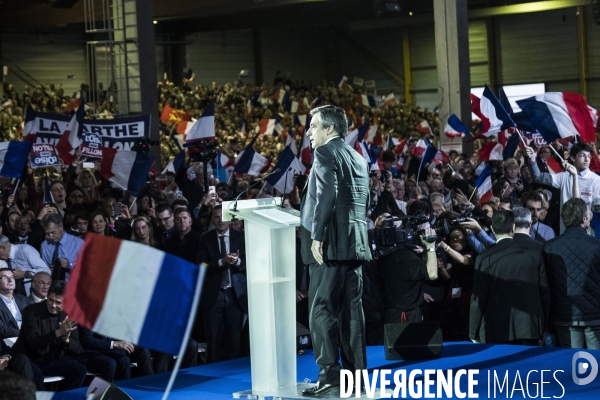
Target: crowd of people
<point>493,271</point>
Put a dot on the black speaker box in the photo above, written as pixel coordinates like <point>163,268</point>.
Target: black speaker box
<point>101,390</point>
<point>414,341</point>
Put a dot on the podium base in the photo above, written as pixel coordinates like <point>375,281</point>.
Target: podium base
<point>293,393</point>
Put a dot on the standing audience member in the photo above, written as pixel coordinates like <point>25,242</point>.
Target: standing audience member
<point>573,265</point>
<point>166,224</point>
<point>25,262</point>
<point>510,299</point>
<point>60,250</point>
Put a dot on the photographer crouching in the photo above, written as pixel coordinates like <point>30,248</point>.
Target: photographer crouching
<point>403,271</point>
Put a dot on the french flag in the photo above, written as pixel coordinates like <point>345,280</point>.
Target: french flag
<point>352,137</point>
<point>497,117</point>
<point>559,115</point>
<point>306,155</point>
<point>420,147</point>
<point>71,137</point>
<point>141,294</point>
<point>595,114</point>
<point>510,146</point>
<point>126,169</point>
<point>476,109</point>
<point>361,147</point>
<point>282,96</point>
<point>377,166</point>
<point>553,166</point>
<point>484,185</point>
<point>13,157</point>
<point>175,164</point>
<point>300,120</point>
<point>204,127</point>
<point>28,131</point>
<point>365,100</point>
<point>454,128</point>
<point>250,162</point>
<point>266,126</point>
<point>391,142</point>
<point>288,164</point>
<point>341,81</point>
<point>242,128</point>
<point>291,141</point>
<point>492,151</point>
<point>224,168</point>
<point>442,157</point>
<point>425,128</point>
<point>371,134</point>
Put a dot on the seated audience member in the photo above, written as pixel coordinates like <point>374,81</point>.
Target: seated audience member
<point>539,231</point>
<point>11,307</point>
<point>166,224</point>
<point>21,365</point>
<point>25,262</point>
<point>39,286</point>
<point>511,297</point>
<point>50,339</point>
<point>224,296</point>
<point>573,264</point>
<point>117,351</point>
<point>60,250</point>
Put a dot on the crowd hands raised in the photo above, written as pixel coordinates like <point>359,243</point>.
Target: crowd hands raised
<point>450,280</point>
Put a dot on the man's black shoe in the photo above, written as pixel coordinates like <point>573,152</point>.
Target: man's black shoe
<point>321,391</point>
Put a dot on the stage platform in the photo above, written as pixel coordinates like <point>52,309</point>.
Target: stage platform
<point>221,380</point>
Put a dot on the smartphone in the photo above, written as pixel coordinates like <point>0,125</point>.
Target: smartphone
<point>117,207</point>
<point>160,177</point>
<point>212,189</point>
<point>88,165</point>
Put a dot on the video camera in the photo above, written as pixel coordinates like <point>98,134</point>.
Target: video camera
<point>206,150</point>
<point>388,238</point>
<point>469,211</point>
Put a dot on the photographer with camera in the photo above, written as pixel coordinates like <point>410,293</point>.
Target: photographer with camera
<point>403,273</point>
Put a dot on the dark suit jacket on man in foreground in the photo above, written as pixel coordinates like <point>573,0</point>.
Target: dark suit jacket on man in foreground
<point>333,212</point>
<point>511,298</point>
<point>8,325</point>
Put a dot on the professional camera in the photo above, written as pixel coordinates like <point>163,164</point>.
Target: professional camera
<point>383,177</point>
<point>387,238</point>
<point>477,214</point>
<point>204,150</point>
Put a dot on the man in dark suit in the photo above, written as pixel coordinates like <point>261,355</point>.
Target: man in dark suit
<point>335,245</point>
<point>184,242</point>
<point>224,298</point>
<point>50,339</point>
<point>511,298</point>
<point>12,306</point>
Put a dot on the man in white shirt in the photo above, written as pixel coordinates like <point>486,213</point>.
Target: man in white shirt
<point>25,261</point>
<point>589,182</point>
<point>11,307</point>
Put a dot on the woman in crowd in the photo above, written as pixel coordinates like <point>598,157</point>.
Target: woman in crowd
<point>142,231</point>
<point>97,223</point>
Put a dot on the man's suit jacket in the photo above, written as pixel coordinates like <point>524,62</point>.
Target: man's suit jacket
<point>208,252</point>
<point>37,338</point>
<point>334,207</point>
<point>8,324</point>
<point>511,297</point>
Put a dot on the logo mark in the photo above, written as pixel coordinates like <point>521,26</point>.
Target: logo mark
<point>583,367</point>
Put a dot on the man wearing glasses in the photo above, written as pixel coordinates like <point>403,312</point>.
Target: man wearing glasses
<point>589,182</point>
<point>39,286</point>
<point>11,307</point>
<point>166,224</point>
<point>25,261</point>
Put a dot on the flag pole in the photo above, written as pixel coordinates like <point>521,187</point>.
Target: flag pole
<point>188,329</point>
<point>521,136</point>
<point>16,186</point>
<point>473,192</point>
<point>556,152</point>
<point>132,203</point>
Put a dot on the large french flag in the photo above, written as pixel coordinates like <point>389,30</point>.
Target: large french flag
<point>491,109</point>
<point>13,157</point>
<point>126,169</point>
<point>558,115</point>
<point>71,137</point>
<point>484,185</point>
<point>250,162</point>
<point>288,164</point>
<point>204,128</point>
<point>454,128</point>
<point>141,294</point>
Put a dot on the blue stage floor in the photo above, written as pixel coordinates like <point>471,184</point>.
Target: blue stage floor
<point>219,381</point>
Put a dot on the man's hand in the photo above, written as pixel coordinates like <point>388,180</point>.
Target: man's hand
<point>3,363</point>
<point>570,168</point>
<point>121,344</point>
<point>65,328</point>
<point>427,297</point>
<point>300,295</point>
<point>530,153</point>
<point>428,232</point>
<point>317,251</point>
<point>19,274</point>
<point>64,263</point>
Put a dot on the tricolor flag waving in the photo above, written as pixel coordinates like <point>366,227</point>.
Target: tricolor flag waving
<point>204,128</point>
<point>71,137</point>
<point>13,157</point>
<point>126,169</point>
<point>454,128</point>
<point>28,132</point>
<point>484,185</point>
<point>250,162</point>
<point>288,164</point>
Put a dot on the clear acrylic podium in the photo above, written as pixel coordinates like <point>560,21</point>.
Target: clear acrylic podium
<point>271,275</point>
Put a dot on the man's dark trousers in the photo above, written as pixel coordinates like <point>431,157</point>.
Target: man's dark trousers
<point>336,302</point>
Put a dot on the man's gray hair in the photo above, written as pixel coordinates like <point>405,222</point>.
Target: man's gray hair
<point>55,219</point>
<point>333,116</point>
<point>522,217</point>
